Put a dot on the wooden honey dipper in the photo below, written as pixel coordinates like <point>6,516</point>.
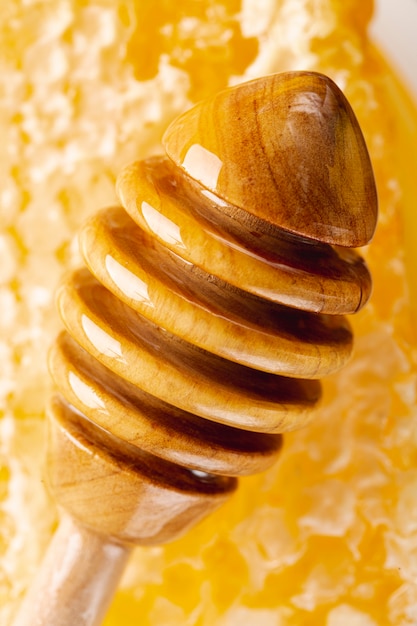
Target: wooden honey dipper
<point>210,307</point>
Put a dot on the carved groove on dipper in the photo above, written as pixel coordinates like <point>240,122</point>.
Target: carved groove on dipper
<point>210,307</point>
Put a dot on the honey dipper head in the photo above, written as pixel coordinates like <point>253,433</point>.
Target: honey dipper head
<point>288,149</point>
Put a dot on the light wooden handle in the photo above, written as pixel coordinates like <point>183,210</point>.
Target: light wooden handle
<point>77,580</point>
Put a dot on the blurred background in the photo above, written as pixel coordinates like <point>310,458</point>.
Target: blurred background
<point>394,28</point>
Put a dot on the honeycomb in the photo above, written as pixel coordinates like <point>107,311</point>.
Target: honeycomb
<point>329,535</point>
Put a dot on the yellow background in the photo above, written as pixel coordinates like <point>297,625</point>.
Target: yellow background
<point>329,535</point>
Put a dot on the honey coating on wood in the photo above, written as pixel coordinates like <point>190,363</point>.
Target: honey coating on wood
<point>198,332</point>
<point>190,221</point>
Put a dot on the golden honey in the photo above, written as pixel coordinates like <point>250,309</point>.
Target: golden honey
<point>328,535</point>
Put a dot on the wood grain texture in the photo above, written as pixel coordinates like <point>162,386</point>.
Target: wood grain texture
<point>124,493</point>
<point>287,148</point>
<point>207,311</point>
<point>235,246</point>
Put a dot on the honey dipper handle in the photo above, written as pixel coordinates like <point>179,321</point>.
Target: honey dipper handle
<point>77,580</point>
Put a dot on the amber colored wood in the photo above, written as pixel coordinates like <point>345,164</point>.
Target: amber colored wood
<point>235,246</point>
<point>288,149</point>
<point>206,313</point>
<point>175,371</point>
<point>125,493</point>
<point>209,313</point>
<point>156,427</point>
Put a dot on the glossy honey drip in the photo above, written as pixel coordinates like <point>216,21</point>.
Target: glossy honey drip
<point>211,305</point>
